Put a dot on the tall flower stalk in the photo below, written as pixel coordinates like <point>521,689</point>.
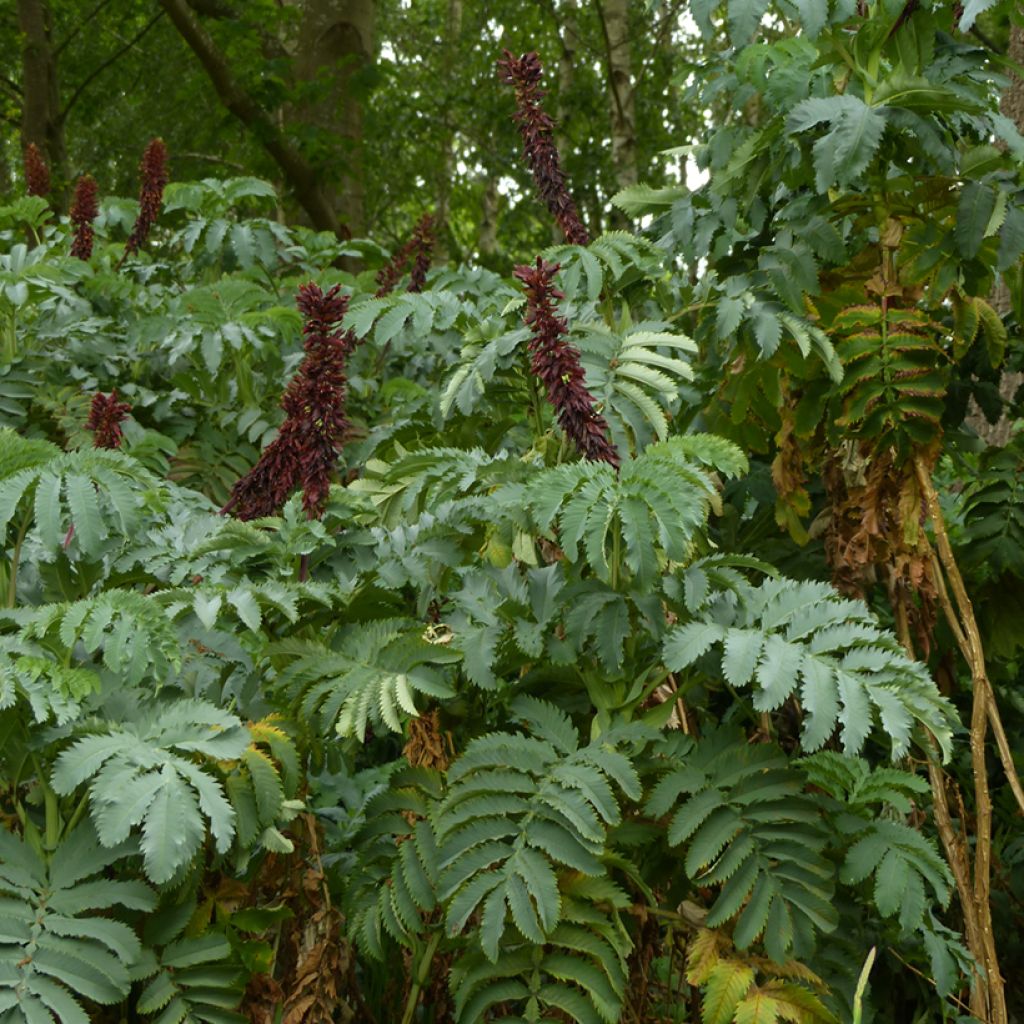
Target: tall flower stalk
<point>37,173</point>
<point>105,416</point>
<point>84,209</point>
<point>536,127</point>
<point>556,362</point>
<point>153,170</point>
<point>423,247</point>
<point>305,451</point>
<point>419,248</point>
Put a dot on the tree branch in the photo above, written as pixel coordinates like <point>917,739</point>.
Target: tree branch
<point>298,173</point>
<point>81,24</point>
<point>212,8</point>
<point>112,59</point>
<point>209,158</point>
<point>609,60</point>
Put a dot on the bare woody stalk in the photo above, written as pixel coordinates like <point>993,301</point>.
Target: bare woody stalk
<point>988,998</point>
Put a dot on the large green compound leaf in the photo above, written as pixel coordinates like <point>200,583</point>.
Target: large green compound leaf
<point>581,970</point>
<point>88,502</point>
<point>56,947</point>
<point>148,774</point>
<point>649,512</point>
<point>908,871</point>
<point>748,827</point>
<point>635,377</point>
<point>522,832</point>
<point>369,677</point>
<point>519,810</point>
<point>786,638</point>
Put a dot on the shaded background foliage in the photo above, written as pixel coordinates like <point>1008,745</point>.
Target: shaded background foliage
<point>445,138</point>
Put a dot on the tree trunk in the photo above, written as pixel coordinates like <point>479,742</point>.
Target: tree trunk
<point>487,240</point>
<point>453,33</point>
<point>615,22</point>
<point>297,171</point>
<point>335,45</point>
<point>1012,106</point>
<point>569,35</point>
<point>40,113</point>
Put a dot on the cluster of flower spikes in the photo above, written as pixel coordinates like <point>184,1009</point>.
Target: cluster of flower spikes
<point>153,170</point>
<point>539,151</point>
<point>557,363</point>
<point>37,174</point>
<point>305,451</point>
<point>84,209</point>
<point>105,416</point>
<point>419,247</point>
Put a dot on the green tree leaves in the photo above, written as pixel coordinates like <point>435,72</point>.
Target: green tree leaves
<point>854,134</point>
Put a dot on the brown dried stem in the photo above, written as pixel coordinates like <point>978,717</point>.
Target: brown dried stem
<point>967,635</point>
<point>988,999</point>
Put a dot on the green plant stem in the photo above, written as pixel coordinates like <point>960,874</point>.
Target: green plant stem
<point>12,583</point>
<point>616,558</point>
<point>535,406</point>
<point>9,350</point>
<point>52,808</point>
<point>422,974</point>
<point>76,815</point>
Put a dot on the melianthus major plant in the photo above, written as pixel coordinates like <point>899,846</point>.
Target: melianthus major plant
<point>519,721</point>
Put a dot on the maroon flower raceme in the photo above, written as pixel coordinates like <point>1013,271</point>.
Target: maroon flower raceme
<point>84,209</point>
<point>151,194</point>
<point>423,246</point>
<point>539,151</point>
<point>418,247</point>
<point>105,416</point>
<point>305,452</point>
<point>557,363</point>
<point>37,174</point>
